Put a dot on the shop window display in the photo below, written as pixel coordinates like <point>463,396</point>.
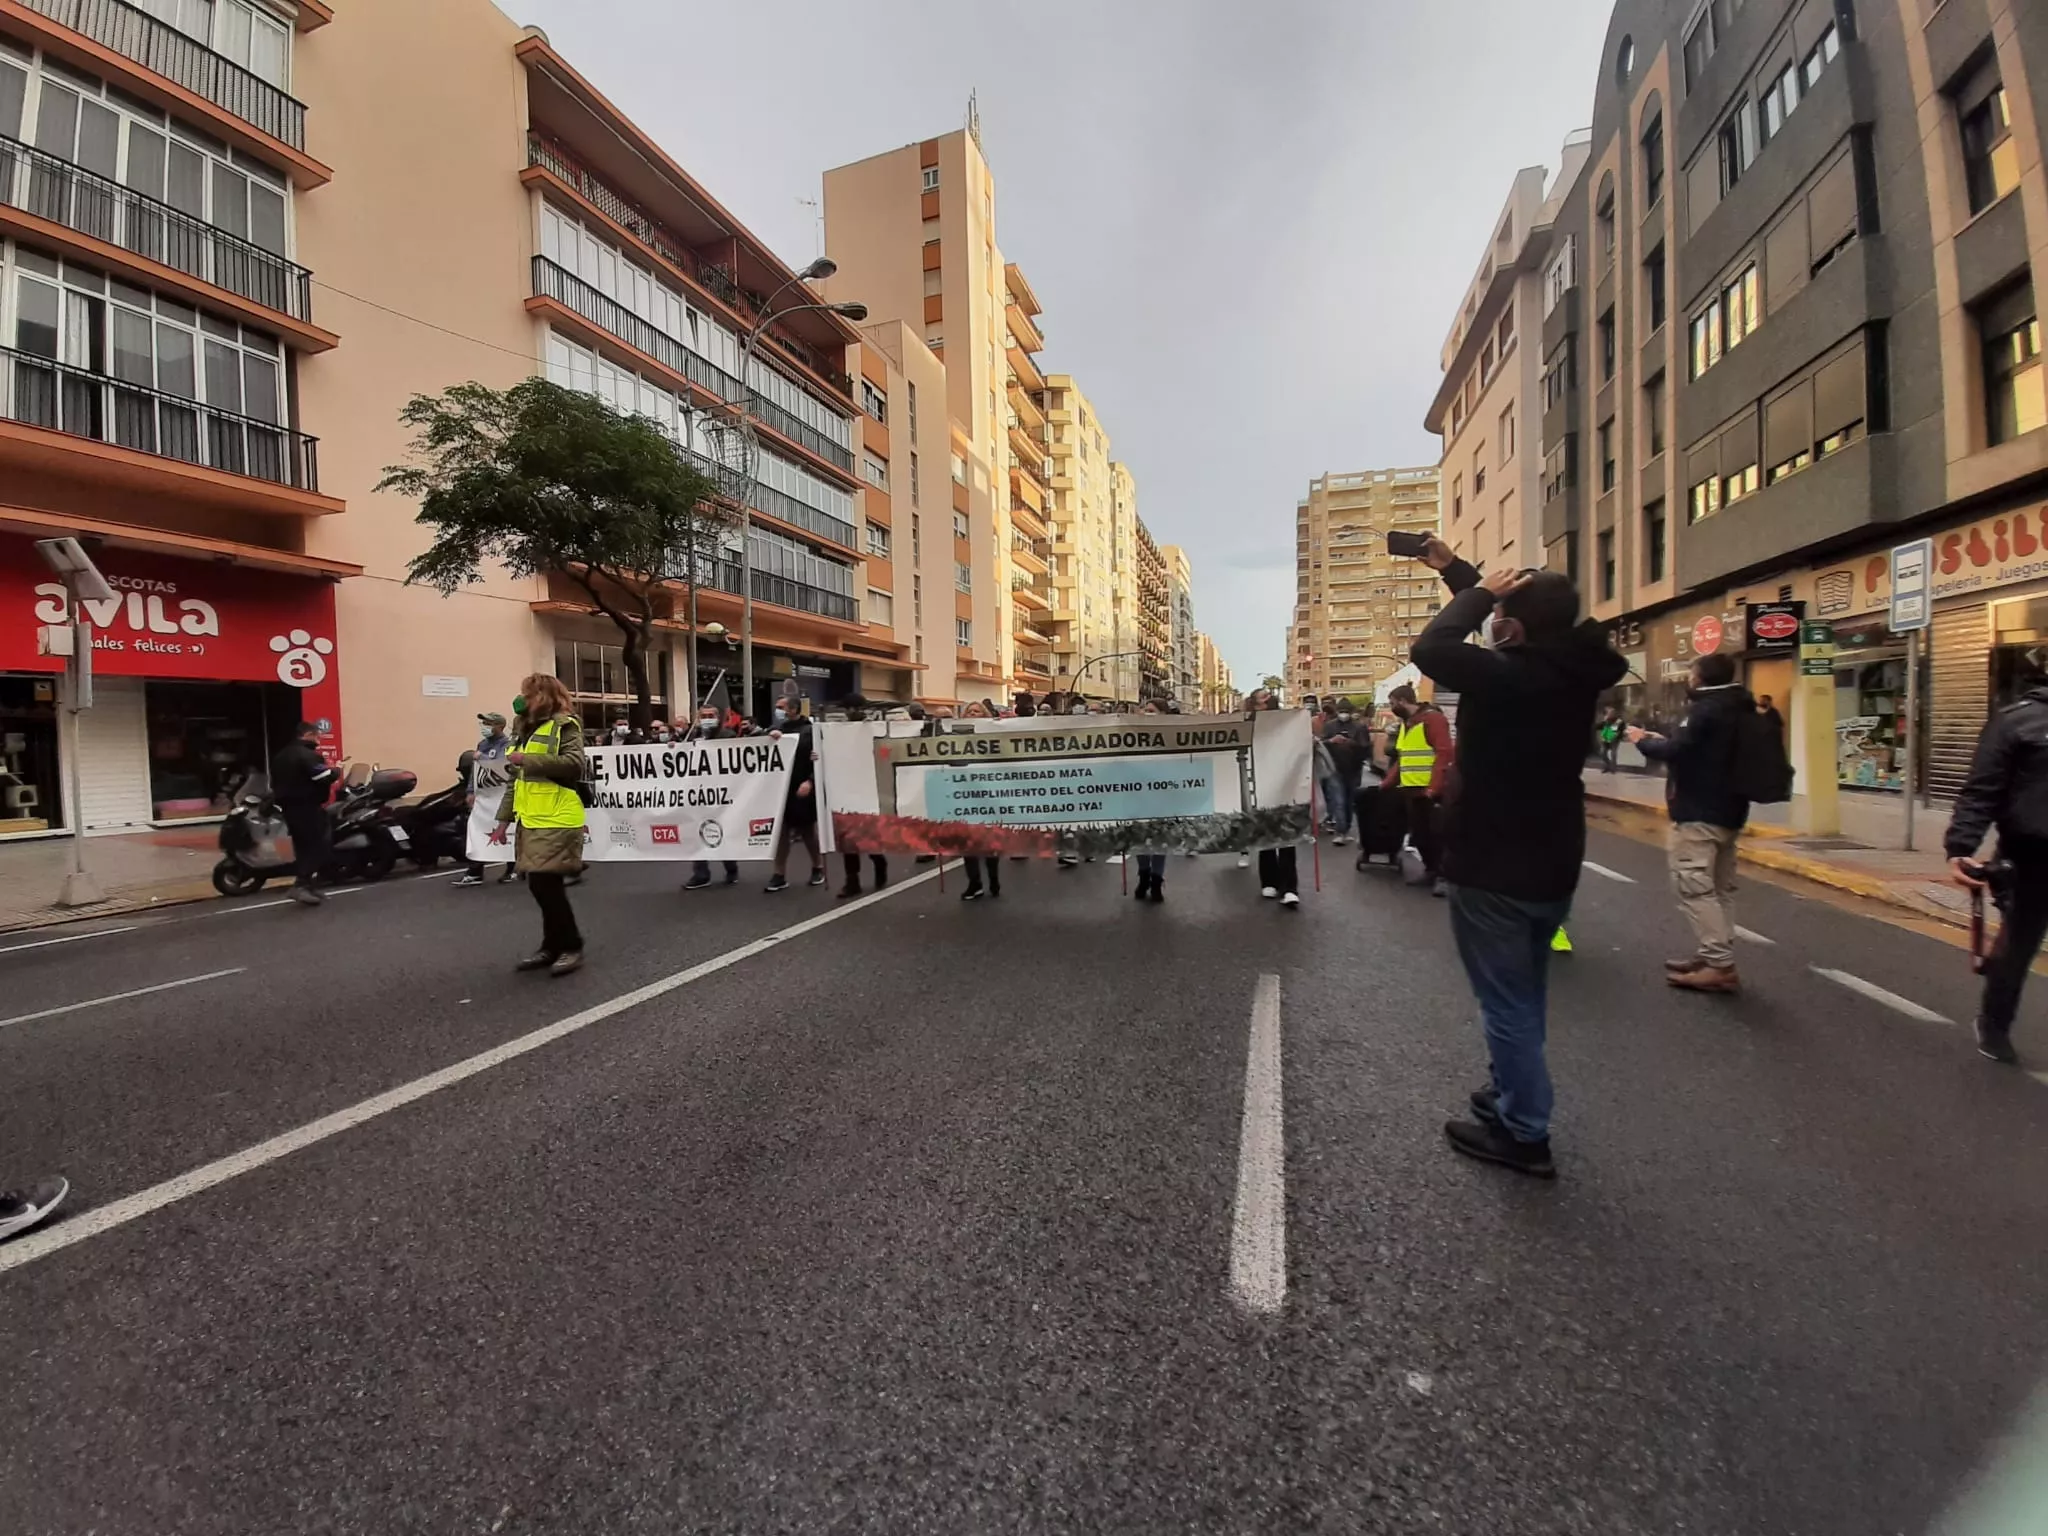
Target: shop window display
<point>31,788</point>
<point>1870,706</point>
<point>204,738</point>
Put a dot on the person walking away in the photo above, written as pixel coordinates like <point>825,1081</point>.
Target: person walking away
<point>800,810</point>
<point>1515,820</point>
<point>975,864</point>
<point>1337,753</point>
<point>1279,879</point>
<point>708,726</point>
<point>1151,877</point>
<point>1610,741</point>
<point>1708,813</point>
<point>1424,753</point>
<point>2008,790</point>
<point>548,811</point>
<point>486,762</point>
<point>300,782</point>
<point>857,709</point>
<point>1769,711</point>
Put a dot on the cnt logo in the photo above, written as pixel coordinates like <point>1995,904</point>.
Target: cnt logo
<point>760,827</point>
<point>666,834</point>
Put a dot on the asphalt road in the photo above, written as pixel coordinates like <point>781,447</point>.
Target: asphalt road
<point>920,1219</point>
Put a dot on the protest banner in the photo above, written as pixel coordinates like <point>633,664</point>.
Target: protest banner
<point>1092,785</point>
<point>676,800</point>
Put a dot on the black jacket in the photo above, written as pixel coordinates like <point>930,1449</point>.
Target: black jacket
<point>1700,758</point>
<point>299,775</point>
<point>1515,810</point>
<point>2008,783</point>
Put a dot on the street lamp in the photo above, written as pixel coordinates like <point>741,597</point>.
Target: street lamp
<point>83,583</point>
<point>746,444</point>
<point>1096,660</point>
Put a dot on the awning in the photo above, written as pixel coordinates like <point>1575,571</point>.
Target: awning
<point>192,546</point>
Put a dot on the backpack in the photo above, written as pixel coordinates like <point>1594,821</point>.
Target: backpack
<point>1759,771</point>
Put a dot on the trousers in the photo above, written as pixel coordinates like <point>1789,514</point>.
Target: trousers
<point>1504,944</point>
<point>308,827</point>
<point>1703,875</point>
<point>558,932</point>
<point>2019,940</point>
<point>1277,869</point>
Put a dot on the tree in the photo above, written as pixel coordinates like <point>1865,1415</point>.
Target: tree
<point>1277,684</point>
<point>544,480</point>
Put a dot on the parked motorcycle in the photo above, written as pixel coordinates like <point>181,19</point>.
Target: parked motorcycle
<point>437,827</point>
<point>364,840</point>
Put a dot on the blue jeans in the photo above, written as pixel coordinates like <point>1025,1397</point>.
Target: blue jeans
<point>1505,946</point>
<point>1337,805</point>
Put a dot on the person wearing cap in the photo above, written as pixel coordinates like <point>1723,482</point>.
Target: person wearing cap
<point>486,765</point>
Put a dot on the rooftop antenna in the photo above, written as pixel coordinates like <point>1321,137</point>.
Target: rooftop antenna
<point>974,119</point>
<point>817,221</point>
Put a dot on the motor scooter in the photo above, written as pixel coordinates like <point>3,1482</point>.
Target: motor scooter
<point>437,827</point>
<point>362,842</point>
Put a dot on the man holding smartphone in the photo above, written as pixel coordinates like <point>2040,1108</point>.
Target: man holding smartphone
<point>1514,829</point>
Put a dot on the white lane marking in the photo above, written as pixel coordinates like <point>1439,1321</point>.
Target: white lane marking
<point>118,1213</point>
<point>2040,1077</point>
<point>1258,1228</point>
<point>69,938</point>
<point>1753,936</point>
<point>1877,994</point>
<point>1612,874</point>
<point>119,997</point>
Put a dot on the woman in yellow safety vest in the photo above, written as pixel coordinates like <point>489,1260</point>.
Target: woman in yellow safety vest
<point>548,758</point>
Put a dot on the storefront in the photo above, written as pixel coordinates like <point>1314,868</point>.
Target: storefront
<point>202,669</point>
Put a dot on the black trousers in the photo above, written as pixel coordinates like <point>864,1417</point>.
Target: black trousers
<point>1276,868</point>
<point>850,862</point>
<point>2026,925</point>
<point>308,827</point>
<point>976,863</point>
<point>558,931</point>
<point>700,869</point>
<point>1422,826</point>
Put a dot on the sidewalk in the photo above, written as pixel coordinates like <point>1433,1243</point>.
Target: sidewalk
<point>137,870</point>
<point>1866,860</point>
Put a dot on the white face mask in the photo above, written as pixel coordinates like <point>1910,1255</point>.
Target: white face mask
<point>1494,632</point>
<point>1078,709</point>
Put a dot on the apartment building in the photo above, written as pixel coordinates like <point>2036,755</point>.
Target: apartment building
<point>1488,409</point>
<point>1789,323</point>
<point>1219,695</point>
<point>1357,609</point>
<point>1184,656</point>
<point>225,265</point>
<point>914,234</point>
<point>1032,561</point>
<point>1083,520</point>
<point>1155,620</point>
<point>1122,670</point>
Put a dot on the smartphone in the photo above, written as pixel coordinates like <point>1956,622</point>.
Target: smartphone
<point>1410,546</point>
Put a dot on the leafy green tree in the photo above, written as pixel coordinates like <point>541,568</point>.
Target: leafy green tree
<point>543,479</point>
<point>1277,684</point>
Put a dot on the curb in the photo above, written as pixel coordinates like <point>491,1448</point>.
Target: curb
<point>126,905</point>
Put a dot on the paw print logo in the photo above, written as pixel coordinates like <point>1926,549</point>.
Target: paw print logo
<point>301,658</point>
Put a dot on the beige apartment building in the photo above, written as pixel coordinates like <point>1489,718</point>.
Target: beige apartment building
<point>1184,656</point>
<point>237,265</point>
<point>1083,541</point>
<point>1357,609</point>
<point>1155,620</point>
<point>1219,693</point>
<point>914,233</point>
<point>1123,518</point>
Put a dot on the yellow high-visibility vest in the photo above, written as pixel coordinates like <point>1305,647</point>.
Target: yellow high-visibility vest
<point>540,802</point>
<point>1418,759</point>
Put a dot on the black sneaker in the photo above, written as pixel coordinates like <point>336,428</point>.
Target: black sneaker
<point>1486,1107</point>
<point>1158,891</point>
<point>1492,1145</point>
<point>306,896</point>
<point>972,893</point>
<point>694,883</point>
<point>847,892</point>
<point>461,880</point>
<point>539,960</point>
<point>817,877</point>
<point>21,1209</point>
<point>775,883</point>
<point>1996,1045</point>
<point>734,877</point>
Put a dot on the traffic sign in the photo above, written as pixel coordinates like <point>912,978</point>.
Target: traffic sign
<point>1912,580</point>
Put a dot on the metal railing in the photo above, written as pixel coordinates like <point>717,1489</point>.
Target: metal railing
<point>783,591</point>
<point>41,392</point>
<point>70,195</point>
<point>185,61</point>
<point>551,281</point>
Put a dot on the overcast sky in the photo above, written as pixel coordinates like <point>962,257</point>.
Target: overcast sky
<point>1249,224</point>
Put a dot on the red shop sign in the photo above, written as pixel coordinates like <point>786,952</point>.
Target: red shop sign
<point>1706,636</point>
<point>1775,626</point>
<point>172,618</point>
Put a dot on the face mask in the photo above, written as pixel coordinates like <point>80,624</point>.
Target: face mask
<point>519,705</point>
<point>1493,633</point>
<point>1078,709</point>
<point>707,722</point>
<point>781,716</point>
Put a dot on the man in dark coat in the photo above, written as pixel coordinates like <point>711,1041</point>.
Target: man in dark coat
<point>300,781</point>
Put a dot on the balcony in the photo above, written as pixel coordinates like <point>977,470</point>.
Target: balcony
<point>1028,337</point>
<point>185,62</point>
<point>608,315</point>
<point>1025,554</point>
<point>779,590</point>
<point>1024,595</point>
<point>40,392</point>
<point>1024,411</point>
<point>1028,451</point>
<point>47,188</point>
<point>1025,367</point>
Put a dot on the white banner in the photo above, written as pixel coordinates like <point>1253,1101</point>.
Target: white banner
<point>690,800</point>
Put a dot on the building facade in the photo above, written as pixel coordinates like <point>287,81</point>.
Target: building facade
<point>1357,608</point>
<point>1790,323</point>
<point>1219,693</point>
<point>176,394</point>
<point>1123,577</point>
<point>1184,656</point>
<point>1083,541</point>
<point>1488,410</point>
<point>1155,620</point>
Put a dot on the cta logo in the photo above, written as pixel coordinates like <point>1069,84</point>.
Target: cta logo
<point>668,834</point>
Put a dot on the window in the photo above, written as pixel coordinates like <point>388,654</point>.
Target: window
<point>1457,497</point>
<point>1607,572</point>
<point>1561,377</point>
<point>963,634</point>
<point>959,525</point>
<point>875,470</point>
<point>255,40</point>
<point>931,178</point>
<point>1479,470</point>
<point>1605,219</point>
<point>1738,484</point>
<point>878,540</point>
<point>1653,416</point>
<point>1705,497</point>
<point>873,401</point>
<point>1607,352</point>
<point>1607,466</point>
<point>1654,554</point>
<point>1486,362</point>
<point>959,469</point>
<point>2014,399</point>
<point>963,577</point>
<point>1505,333</point>
<point>913,477</point>
<point>1740,300</point>
<point>1653,291</point>
<point>881,608</point>
<point>1699,48</point>
<point>1557,281</point>
<point>1779,101</point>
<point>1653,161</point>
<point>1991,163</point>
<point>1507,433</point>
<point>1822,56</point>
<point>1737,145</point>
<point>1706,339</point>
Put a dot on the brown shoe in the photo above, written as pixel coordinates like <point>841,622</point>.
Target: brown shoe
<point>1708,978</point>
<point>1680,967</point>
<point>565,964</point>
